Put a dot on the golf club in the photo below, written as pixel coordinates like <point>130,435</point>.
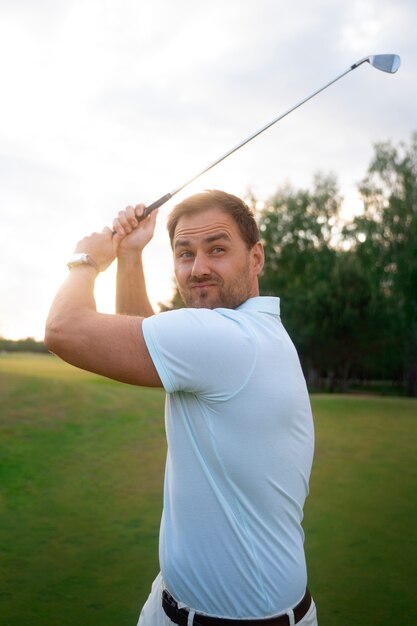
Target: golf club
<point>384,62</point>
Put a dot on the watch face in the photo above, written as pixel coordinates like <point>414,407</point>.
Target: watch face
<point>79,257</point>
<point>82,258</point>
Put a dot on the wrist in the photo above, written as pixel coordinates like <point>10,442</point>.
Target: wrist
<point>82,259</point>
<point>129,257</point>
<point>123,252</point>
<point>84,269</point>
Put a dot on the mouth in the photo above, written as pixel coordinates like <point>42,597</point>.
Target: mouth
<point>203,285</point>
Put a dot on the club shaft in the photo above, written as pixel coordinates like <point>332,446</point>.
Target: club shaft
<point>258,132</point>
<point>168,196</point>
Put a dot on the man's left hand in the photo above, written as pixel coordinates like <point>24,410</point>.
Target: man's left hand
<point>101,247</point>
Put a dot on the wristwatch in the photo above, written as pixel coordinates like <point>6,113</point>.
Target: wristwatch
<point>82,258</point>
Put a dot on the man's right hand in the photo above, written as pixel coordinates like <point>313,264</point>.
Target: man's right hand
<point>136,233</point>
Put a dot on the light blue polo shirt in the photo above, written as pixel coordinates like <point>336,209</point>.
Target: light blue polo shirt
<point>240,448</point>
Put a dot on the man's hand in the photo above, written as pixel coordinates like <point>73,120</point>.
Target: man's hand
<point>134,234</point>
<point>101,247</point>
<point>131,295</point>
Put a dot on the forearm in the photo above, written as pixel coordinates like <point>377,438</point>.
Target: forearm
<point>131,294</point>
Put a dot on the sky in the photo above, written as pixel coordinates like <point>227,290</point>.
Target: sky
<point>106,103</point>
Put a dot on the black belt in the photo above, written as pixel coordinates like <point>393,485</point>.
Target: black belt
<point>180,616</point>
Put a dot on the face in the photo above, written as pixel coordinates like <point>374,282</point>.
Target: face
<point>213,265</point>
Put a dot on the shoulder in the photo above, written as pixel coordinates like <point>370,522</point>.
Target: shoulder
<point>199,347</point>
<point>198,318</point>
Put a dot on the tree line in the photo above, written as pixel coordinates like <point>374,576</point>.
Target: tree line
<point>21,345</point>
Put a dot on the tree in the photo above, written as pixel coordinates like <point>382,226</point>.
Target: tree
<point>328,304</point>
<point>348,319</point>
<point>297,228</point>
<point>385,239</point>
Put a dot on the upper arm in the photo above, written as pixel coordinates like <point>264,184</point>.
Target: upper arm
<point>110,345</point>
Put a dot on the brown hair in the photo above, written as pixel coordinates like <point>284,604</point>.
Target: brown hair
<point>213,198</point>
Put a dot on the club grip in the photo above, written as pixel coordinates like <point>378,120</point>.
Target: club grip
<point>155,205</point>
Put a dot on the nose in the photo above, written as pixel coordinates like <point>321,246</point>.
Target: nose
<point>200,266</point>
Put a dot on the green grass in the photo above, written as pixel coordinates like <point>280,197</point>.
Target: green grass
<point>81,472</point>
<point>81,469</point>
<point>360,518</point>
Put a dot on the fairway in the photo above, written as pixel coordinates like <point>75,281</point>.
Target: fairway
<point>82,461</point>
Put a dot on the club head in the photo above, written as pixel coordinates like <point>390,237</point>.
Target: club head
<point>385,62</point>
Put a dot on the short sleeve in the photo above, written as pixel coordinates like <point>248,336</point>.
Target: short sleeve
<point>201,351</point>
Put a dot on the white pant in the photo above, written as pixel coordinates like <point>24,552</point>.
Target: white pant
<point>154,615</point>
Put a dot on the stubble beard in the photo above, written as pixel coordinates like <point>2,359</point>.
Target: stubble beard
<point>222,295</point>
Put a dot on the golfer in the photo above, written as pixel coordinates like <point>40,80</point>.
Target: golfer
<point>238,418</point>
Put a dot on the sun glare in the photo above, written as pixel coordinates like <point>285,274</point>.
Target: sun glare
<point>352,205</point>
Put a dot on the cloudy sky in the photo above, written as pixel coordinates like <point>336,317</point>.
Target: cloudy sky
<point>106,103</point>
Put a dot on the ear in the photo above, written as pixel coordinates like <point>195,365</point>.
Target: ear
<point>257,257</point>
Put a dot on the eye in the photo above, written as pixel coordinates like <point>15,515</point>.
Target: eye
<point>185,254</point>
<point>217,250</point>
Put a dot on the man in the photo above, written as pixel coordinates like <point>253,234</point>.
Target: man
<point>238,419</point>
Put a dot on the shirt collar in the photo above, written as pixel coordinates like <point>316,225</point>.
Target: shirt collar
<point>261,304</point>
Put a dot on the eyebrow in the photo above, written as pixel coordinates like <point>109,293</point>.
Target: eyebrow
<point>184,243</point>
